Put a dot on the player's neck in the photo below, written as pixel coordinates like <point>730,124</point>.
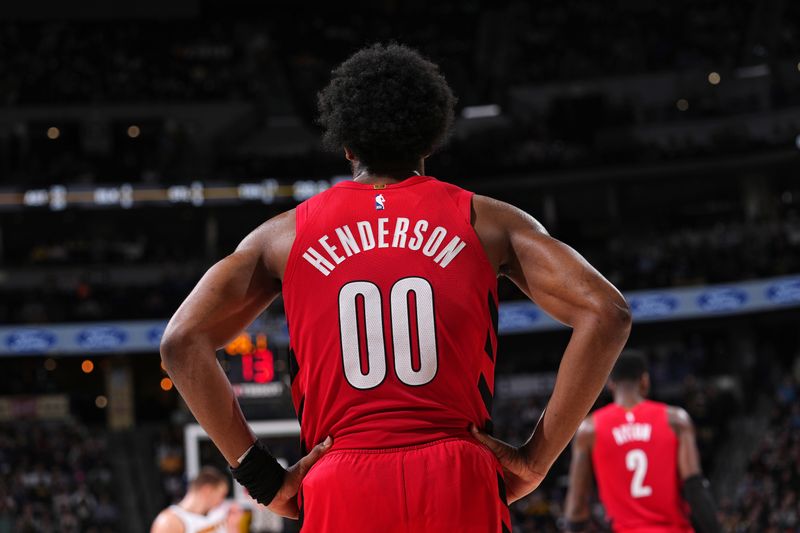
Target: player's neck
<point>191,503</point>
<point>362,174</point>
<point>628,399</point>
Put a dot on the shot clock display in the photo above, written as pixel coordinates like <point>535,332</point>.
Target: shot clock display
<point>258,377</point>
<point>250,361</point>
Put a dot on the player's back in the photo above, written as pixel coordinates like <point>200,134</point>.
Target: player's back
<point>391,305</point>
<point>635,455</point>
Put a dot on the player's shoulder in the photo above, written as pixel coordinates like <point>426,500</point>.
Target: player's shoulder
<point>269,230</point>
<point>499,224</point>
<point>272,241</point>
<point>451,188</point>
<point>678,418</point>
<point>449,185</point>
<point>584,437</point>
<point>167,522</point>
<point>498,213</point>
<point>587,426</point>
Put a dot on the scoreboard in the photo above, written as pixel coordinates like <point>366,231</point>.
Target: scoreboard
<point>259,376</point>
<point>256,362</point>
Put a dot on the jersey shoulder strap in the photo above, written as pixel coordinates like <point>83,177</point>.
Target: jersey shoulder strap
<point>462,199</point>
<point>657,409</point>
<point>305,210</point>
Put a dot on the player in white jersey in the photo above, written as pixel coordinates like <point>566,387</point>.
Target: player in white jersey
<point>203,509</point>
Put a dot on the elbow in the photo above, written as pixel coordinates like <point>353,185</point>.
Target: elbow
<point>615,316</point>
<point>171,348</point>
<point>181,346</point>
<point>623,319</point>
<point>623,316</point>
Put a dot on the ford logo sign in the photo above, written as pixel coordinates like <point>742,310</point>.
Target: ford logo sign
<point>154,335</point>
<point>726,299</point>
<point>101,337</point>
<point>515,317</point>
<point>30,340</point>
<point>784,292</point>
<point>653,305</point>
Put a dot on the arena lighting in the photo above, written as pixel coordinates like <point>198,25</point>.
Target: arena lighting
<point>50,364</point>
<point>714,78</point>
<point>53,133</point>
<point>101,402</point>
<point>134,131</point>
<point>166,384</point>
<point>481,111</point>
<point>87,366</point>
<point>127,196</point>
<point>682,104</point>
<point>797,142</point>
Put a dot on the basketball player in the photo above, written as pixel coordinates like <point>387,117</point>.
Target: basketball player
<point>390,287</point>
<point>644,454</point>
<point>203,509</point>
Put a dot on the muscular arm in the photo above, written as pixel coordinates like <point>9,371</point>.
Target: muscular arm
<point>167,522</point>
<point>225,301</point>
<point>580,478</point>
<point>565,286</point>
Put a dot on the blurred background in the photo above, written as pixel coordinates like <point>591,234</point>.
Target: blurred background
<point>140,141</point>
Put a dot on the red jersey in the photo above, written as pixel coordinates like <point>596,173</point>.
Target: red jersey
<point>392,310</point>
<point>635,457</point>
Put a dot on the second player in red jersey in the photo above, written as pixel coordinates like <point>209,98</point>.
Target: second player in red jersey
<point>635,459</point>
<point>644,457</point>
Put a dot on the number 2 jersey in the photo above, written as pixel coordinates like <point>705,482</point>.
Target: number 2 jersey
<point>635,458</point>
<point>391,304</point>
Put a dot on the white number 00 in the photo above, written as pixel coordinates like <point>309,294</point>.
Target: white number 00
<point>401,335</point>
<point>636,462</point>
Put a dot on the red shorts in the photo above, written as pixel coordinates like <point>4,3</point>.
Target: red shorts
<point>451,484</point>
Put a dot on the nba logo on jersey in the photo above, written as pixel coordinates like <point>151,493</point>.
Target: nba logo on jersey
<point>379,201</point>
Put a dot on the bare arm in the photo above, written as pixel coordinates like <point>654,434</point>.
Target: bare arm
<point>167,522</point>
<point>225,301</point>
<point>688,454</point>
<point>568,288</point>
<point>580,477</point>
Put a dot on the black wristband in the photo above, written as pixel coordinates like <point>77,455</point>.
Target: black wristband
<point>704,513</point>
<point>260,473</point>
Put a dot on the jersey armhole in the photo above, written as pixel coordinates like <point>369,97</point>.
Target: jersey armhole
<point>300,217</point>
<point>302,213</point>
<point>462,201</point>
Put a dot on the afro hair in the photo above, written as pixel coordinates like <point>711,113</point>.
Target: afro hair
<point>388,105</point>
